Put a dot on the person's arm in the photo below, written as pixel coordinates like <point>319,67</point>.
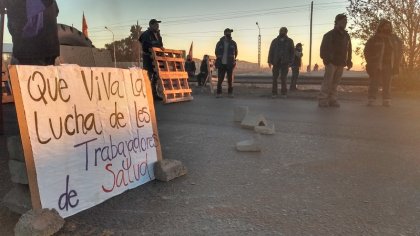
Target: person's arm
<point>271,54</point>
<point>349,55</point>
<point>326,49</point>
<point>367,50</point>
<point>236,50</point>
<point>216,51</point>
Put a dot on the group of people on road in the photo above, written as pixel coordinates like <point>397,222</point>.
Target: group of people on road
<point>383,53</point>
<point>33,26</point>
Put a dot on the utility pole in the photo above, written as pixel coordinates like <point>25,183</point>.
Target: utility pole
<point>113,42</point>
<point>310,37</point>
<point>259,45</point>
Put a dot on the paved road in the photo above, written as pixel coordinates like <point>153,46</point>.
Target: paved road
<point>348,171</point>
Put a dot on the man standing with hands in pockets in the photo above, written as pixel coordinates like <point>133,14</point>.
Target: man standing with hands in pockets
<point>336,54</point>
<point>280,57</point>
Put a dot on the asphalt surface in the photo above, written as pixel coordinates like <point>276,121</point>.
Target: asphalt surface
<point>354,170</point>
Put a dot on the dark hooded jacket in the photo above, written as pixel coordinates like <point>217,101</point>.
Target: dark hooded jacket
<point>42,45</point>
<point>383,51</point>
<point>232,52</point>
<point>336,48</point>
<point>281,51</point>
<point>149,40</point>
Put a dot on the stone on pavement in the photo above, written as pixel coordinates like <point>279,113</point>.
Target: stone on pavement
<point>167,170</point>
<point>39,222</point>
<point>269,129</point>
<point>240,113</point>
<point>15,149</point>
<point>18,199</point>
<point>251,145</point>
<point>250,121</point>
<point>18,172</point>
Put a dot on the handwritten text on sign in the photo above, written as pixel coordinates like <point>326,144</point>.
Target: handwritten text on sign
<point>91,133</point>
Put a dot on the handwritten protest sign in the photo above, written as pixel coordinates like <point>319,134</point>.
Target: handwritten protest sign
<point>88,133</point>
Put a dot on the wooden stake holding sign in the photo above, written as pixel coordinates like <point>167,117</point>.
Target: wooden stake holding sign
<point>173,79</point>
<point>88,134</point>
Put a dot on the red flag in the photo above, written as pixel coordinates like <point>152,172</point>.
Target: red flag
<point>84,26</point>
<point>190,53</point>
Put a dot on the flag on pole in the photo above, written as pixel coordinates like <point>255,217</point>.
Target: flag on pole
<point>190,53</point>
<point>84,26</point>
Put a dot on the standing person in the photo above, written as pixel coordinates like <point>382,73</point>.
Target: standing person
<point>383,56</point>
<point>149,39</point>
<point>33,27</point>
<point>297,63</point>
<point>336,54</point>
<point>190,67</point>
<point>281,57</point>
<point>226,52</point>
<point>204,71</point>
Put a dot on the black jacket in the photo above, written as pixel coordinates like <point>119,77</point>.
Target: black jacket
<point>190,67</point>
<point>389,57</point>
<point>281,51</point>
<point>149,40</point>
<point>45,43</point>
<point>204,67</point>
<point>336,48</point>
<point>231,54</point>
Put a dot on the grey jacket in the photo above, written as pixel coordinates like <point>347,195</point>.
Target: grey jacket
<point>281,51</point>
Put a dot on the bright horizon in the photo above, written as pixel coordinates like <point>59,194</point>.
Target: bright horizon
<point>203,22</point>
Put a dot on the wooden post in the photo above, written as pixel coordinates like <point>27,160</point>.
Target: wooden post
<point>310,37</point>
<point>26,143</point>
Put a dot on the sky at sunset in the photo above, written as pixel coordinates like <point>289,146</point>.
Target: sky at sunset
<point>203,22</point>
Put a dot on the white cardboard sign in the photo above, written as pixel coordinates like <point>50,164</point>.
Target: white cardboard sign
<point>92,133</point>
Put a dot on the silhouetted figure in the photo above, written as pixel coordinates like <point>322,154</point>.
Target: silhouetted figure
<point>316,67</point>
<point>297,63</point>
<point>336,54</point>
<point>204,71</point>
<point>226,52</point>
<point>280,58</point>
<point>383,57</point>
<point>190,67</point>
<point>149,39</point>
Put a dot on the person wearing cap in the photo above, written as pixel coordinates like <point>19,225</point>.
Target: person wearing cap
<point>226,52</point>
<point>149,39</point>
<point>336,53</point>
<point>297,63</point>
<point>280,57</point>
<point>383,53</point>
